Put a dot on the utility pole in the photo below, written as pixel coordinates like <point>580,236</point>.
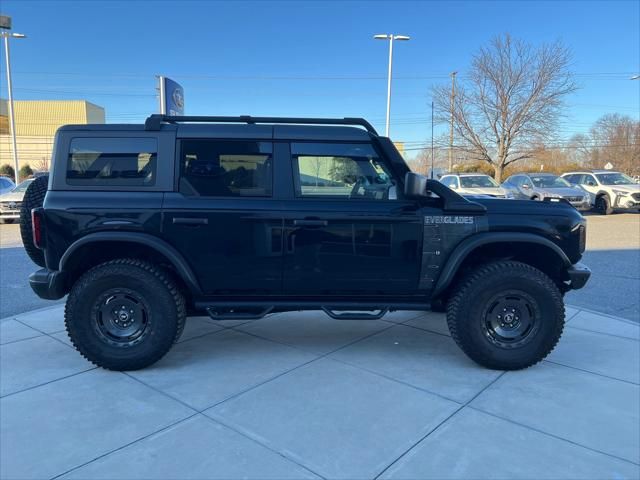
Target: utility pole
<point>432,157</point>
<point>453,96</point>
<point>5,26</point>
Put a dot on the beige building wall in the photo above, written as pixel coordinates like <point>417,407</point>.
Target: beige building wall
<point>36,125</point>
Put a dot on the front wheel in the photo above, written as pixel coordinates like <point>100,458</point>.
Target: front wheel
<point>506,315</point>
<point>124,314</point>
<point>603,205</point>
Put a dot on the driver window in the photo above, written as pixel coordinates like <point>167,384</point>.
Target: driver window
<point>346,171</point>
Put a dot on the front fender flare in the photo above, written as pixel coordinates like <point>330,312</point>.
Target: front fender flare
<point>177,260</point>
<point>468,245</point>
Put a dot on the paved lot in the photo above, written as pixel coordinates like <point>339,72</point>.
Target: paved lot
<point>613,253</point>
<point>299,395</point>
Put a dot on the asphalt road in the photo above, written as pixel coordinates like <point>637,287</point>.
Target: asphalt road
<point>613,254</point>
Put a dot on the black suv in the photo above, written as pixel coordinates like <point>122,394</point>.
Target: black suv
<point>240,217</point>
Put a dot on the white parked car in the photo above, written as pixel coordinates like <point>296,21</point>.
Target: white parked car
<point>474,184</point>
<point>612,190</point>
<point>11,202</point>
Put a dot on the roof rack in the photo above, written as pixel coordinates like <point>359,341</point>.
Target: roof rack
<point>154,121</point>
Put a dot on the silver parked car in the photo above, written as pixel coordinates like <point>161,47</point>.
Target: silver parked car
<point>11,202</point>
<point>538,186</point>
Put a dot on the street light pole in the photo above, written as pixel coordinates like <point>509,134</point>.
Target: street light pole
<point>12,120</point>
<point>391,38</point>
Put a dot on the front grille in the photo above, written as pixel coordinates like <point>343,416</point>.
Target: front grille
<point>574,199</point>
<point>636,197</point>
<point>10,206</point>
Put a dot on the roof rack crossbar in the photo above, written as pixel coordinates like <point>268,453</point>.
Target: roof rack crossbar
<point>154,121</point>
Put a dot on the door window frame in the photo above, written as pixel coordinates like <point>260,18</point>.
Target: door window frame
<point>295,175</point>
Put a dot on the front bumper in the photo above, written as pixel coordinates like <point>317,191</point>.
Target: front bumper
<point>48,284</point>
<point>626,202</point>
<point>578,274</point>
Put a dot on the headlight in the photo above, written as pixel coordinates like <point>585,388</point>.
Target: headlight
<point>552,195</point>
<point>622,193</point>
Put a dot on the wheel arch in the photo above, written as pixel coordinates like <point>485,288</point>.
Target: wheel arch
<point>529,248</point>
<point>100,247</point>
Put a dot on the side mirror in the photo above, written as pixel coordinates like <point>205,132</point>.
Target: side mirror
<point>591,183</point>
<point>415,185</point>
<point>526,187</point>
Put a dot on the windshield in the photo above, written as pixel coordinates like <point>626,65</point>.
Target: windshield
<point>549,181</point>
<point>478,181</point>
<point>21,187</point>
<point>614,179</point>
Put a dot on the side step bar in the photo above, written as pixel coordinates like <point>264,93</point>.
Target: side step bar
<point>355,315</point>
<point>233,314</point>
<point>254,310</point>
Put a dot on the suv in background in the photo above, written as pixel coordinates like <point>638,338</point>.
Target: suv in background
<point>540,186</point>
<point>474,184</point>
<point>612,190</point>
<point>240,217</point>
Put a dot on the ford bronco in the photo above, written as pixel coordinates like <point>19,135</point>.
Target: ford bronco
<point>241,217</point>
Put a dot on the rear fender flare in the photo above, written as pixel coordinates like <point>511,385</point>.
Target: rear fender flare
<point>467,246</point>
<point>160,246</point>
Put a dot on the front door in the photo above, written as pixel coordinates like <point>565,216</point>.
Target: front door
<point>224,218</point>
<point>348,232</point>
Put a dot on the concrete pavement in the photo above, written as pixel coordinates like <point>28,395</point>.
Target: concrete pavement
<point>299,395</point>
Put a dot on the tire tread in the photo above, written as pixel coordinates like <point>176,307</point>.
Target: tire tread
<point>479,274</point>
<point>115,265</point>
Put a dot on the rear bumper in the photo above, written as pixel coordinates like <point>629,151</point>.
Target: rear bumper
<point>578,276</point>
<point>48,284</point>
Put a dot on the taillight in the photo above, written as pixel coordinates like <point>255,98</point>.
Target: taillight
<point>36,228</point>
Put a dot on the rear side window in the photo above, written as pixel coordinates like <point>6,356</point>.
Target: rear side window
<point>112,161</point>
<point>214,168</point>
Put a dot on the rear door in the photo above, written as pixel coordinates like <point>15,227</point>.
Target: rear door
<point>348,231</point>
<point>224,218</point>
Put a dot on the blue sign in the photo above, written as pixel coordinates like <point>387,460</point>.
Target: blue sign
<point>171,97</point>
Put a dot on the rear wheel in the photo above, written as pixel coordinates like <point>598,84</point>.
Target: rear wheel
<point>33,198</point>
<point>506,315</point>
<point>124,314</point>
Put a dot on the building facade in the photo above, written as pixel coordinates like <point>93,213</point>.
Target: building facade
<point>36,125</point>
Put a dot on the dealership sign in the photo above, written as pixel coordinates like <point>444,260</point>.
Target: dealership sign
<point>171,97</point>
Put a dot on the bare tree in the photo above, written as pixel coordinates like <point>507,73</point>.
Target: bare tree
<point>615,138</point>
<point>513,95</point>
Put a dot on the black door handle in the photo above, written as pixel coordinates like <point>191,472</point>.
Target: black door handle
<point>310,223</point>
<point>190,221</point>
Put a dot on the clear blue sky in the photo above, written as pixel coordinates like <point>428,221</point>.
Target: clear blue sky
<point>308,58</point>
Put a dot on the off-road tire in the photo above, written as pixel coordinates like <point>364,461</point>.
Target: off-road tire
<point>166,314</point>
<point>472,298</point>
<point>603,205</point>
<point>33,198</point>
